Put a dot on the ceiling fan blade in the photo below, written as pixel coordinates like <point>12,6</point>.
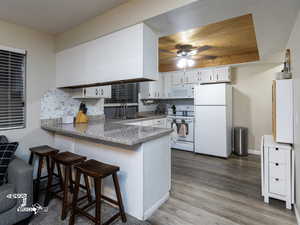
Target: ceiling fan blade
<point>204,48</point>
<point>209,57</point>
<point>166,51</point>
<point>184,46</point>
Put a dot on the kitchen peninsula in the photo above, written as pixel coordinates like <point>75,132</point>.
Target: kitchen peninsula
<point>142,153</point>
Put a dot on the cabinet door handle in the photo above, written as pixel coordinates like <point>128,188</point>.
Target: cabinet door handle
<point>276,164</point>
<point>84,92</point>
<point>276,149</point>
<point>276,179</point>
<point>102,92</point>
<point>96,92</point>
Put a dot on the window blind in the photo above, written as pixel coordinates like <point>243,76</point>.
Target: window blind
<point>12,89</point>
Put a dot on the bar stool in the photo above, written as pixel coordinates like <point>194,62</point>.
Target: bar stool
<point>68,160</point>
<point>43,152</point>
<point>97,171</point>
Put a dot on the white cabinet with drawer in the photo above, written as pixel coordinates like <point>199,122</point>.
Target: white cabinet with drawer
<point>92,92</point>
<point>277,171</point>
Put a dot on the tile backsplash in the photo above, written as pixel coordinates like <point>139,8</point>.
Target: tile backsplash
<point>56,103</point>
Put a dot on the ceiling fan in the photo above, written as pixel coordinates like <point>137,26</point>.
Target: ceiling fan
<point>186,50</point>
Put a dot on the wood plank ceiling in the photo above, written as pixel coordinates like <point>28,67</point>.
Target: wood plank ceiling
<point>231,41</point>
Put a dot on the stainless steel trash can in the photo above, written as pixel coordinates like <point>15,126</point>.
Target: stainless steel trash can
<point>240,141</point>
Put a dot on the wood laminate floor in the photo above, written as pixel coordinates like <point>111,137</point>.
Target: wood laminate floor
<point>214,191</point>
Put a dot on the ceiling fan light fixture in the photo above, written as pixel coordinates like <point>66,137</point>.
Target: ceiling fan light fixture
<point>182,53</point>
<point>184,63</point>
<point>190,62</point>
<point>193,52</point>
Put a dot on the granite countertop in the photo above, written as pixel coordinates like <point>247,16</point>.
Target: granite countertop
<point>109,131</point>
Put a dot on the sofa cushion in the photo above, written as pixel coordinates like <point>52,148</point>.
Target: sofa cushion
<point>3,139</point>
<point>6,203</point>
<point>7,151</point>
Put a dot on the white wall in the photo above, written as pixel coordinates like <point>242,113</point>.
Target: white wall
<point>294,45</point>
<point>127,14</point>
<point>252,99</point>
<point>39,78</point>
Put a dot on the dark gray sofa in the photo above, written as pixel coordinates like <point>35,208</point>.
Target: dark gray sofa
<point>20,180</point>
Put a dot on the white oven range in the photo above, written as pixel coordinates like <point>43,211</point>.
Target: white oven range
<point>182,122</point>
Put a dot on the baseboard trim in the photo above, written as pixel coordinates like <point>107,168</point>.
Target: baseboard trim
<point>297,214</point>
<point>153,208</point>
<point>254,151</point>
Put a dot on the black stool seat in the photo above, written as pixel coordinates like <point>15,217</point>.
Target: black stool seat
<point>97,170</point>
<point>68,158</point>
<point>43,150</point>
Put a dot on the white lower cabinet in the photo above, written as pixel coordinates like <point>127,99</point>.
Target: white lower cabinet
<point>277,171</point>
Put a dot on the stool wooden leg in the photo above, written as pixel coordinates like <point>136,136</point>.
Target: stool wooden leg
<point>88,190</point>
<point>71,181</point>
<point>98,194</point>
<point>61,180</point>
<point>119,197</point>
<point>30,158</point>
<point>38,179</point>
<point>48,165</point>
<point>75,198</point>
<point>65,193</point>
<point>50,168</point>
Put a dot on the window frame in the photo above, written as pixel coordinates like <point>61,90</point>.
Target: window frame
<point>24,52</point>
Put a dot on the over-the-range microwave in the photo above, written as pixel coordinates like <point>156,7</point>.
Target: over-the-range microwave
<point>182,91</point>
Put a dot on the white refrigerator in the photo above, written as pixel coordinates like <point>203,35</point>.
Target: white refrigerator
<point>213,119</point>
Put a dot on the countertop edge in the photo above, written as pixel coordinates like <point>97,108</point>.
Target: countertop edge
<point>105,141</point>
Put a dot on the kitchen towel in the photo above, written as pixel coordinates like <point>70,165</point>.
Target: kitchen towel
<point>174,133</point>
<point>182,130</point>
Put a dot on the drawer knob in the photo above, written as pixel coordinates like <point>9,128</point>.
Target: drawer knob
<point>277,164</point>
<point>276,149</point>
<point>277,179</point>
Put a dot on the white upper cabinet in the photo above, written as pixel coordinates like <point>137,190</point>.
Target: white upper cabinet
<point>190,77</point>
<point>195,76</point>
<point>153,89</point>
<point>167,77</point>
<point>216,75</point>
<point>207,75</point>
<point>71,66</point>
<point>128,54</point>
<point>283,108</point>
<point>177,78</point>
<point>92,92</point>
<point>222,74</point>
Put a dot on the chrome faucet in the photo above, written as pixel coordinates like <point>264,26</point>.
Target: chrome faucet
<point>124,109</point>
